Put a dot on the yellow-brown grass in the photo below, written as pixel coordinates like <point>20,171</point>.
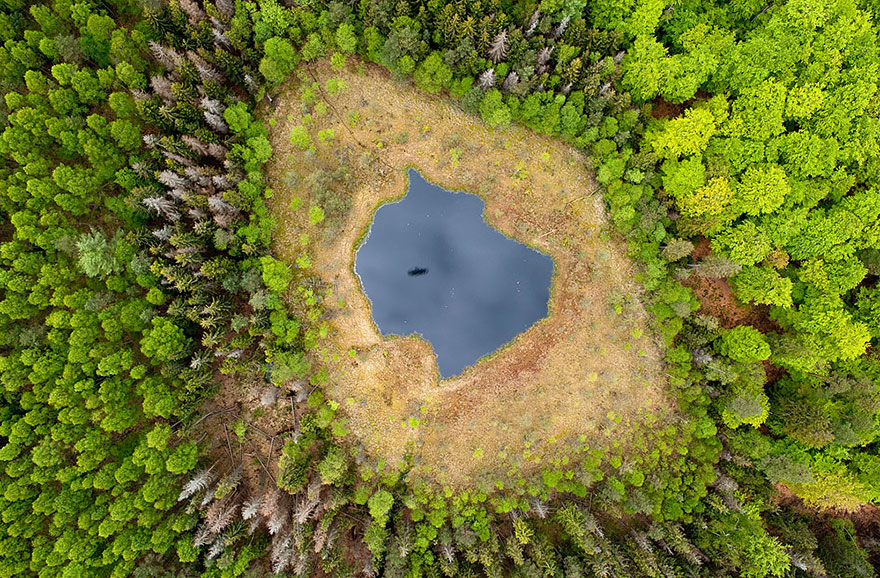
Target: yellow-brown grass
<point>583,375</point>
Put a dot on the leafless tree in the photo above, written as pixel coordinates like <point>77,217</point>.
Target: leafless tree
<point>498,47</point>
<point>561,27</point>
<point>533,23</point>
<point>226,7</point>
<point>217,151</point>
<point>162,87</point>
<point>212,106</point>
<point>203,478</point>
<point>207,72</point>
<point>543,59</point>
<point>486,80</point>
<point>167,57</point>
<point>216,122</point>
<point>511,82</point>
<point>193,11</point>
<point>195,145</point>
<point>163,206</point>
<point>539,507</point>
<point>173,180</point>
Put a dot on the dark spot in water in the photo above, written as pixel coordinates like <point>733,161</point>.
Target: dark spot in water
<point>483,289</point>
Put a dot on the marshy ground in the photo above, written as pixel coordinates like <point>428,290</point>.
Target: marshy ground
<point>585,376</point>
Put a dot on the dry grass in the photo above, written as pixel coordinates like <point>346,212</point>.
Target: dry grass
<point>584,375</point>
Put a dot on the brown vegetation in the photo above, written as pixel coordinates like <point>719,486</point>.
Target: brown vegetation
<point>584,375</point>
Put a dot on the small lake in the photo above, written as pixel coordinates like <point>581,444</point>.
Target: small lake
<point>432,266</point>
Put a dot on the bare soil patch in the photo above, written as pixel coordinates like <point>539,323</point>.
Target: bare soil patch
<point>586,374</point>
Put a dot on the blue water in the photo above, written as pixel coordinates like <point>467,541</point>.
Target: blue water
<point>432,266</point>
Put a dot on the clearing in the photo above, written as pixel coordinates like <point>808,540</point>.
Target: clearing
<point>585,376</point>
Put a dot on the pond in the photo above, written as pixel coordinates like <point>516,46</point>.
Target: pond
<point>432,266</point>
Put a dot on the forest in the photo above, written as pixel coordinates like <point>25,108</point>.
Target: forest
<point>168,397</point>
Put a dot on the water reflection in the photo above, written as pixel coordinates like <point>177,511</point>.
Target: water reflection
<point>432,266</point>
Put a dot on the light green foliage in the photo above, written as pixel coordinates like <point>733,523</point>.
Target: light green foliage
<point>165,341</point>
<point>833,276</point>
<point>333,466</point>
<point>708,200</point>
<point>279,60</point>
<point>682,178</point>
<point>314,48</point>
<point>299,137</point>
<point>763,285</point>
<point>183,459</point>
<point>293,466</point>
<point>686,135</point>
<point>744,343</point>
<point>238,118</point>
<point>746,243</point>
<point>337,61</point>
<point>634,17</point>
<point>746,404</point>
<point>380,505</point>
<point>96,255</point>
<point>432,75</point>
<point>522,531</point>
<point>644,68</point>
<point>758,112</point>
<point>833,486</point>
<point>762,189</point>
<point>493,110</point>
<point>326,135</point>
<point>288,365</point>
<point>346,39</point>
<point>276,274</point>
<point>316,215</point>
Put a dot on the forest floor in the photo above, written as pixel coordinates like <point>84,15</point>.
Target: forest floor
<point>586,374</point>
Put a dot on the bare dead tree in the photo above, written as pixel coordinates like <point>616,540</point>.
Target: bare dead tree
<point>195,145</point>
<point>193,11</point>
<point>216,122</point>
<point>533,23</point>
<point>543,59</point>
<point>486,80</point>
<point>173,180</point>
<point>163,206</point>
<point>539,507</point>
<point>203,478</point>
<point>212,106</point>
<point>226,7</point>
<point>167,57</point>
<point>207,72</point>
<point>511,82</point>
<point>162,87</point>
<point>498,48</point>
<point>561,27</point>
<point>217,151</point>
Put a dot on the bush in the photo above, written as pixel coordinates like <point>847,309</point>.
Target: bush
<point>333,467</point>
<point>380,505</point>
<point>299,137</point>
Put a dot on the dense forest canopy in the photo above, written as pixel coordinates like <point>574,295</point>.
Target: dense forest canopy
<point>737,148</point>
